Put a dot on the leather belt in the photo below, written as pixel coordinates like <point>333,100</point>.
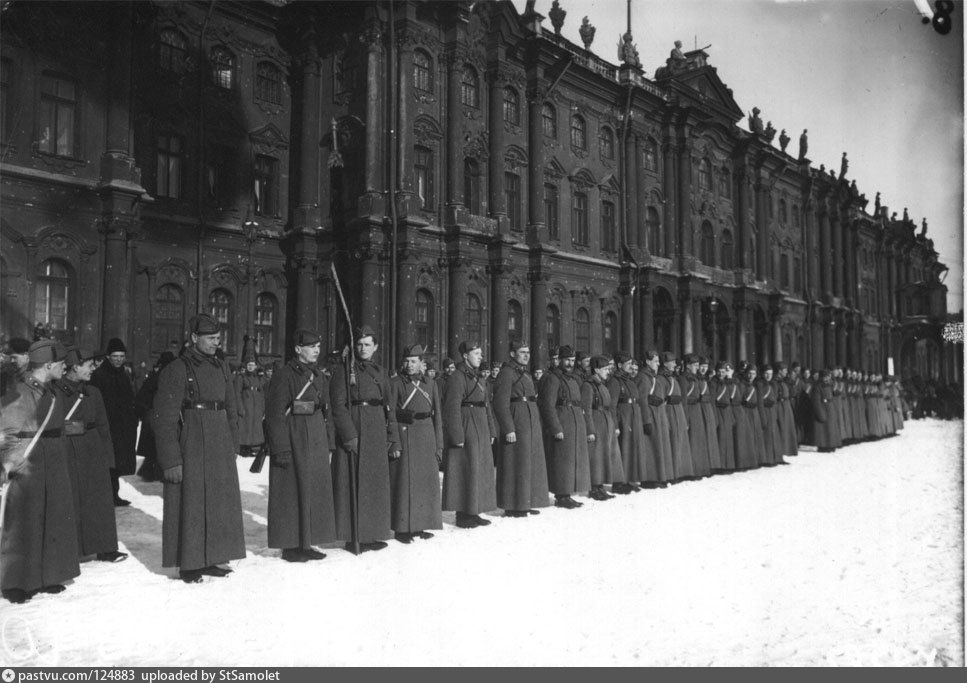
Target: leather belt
<point>523,399</point>
<point>628,400</point>
<point>422,416</point>
<point>376,402</point>
<point>474,404</point>
<point>203,405</point>
<point>46,434</point>
<point>88,426</point>
<point>565,404</point>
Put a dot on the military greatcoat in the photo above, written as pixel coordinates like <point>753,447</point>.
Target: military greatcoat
<point>652,392</point>
<point>117,391</point>
<point>468,427</point>
<point>604,453</point>
<point>634,449</point>
<point>559,400</point>
<point>250,387</point>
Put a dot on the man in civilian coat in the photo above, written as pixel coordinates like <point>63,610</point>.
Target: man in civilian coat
<point>521,469</point>
<point>196,430</point>
<point>116,386</point>
<point>38,552</point>
<point>301,511</point>
<point>415,475</point>
<point>565,432</point>
<point>468,430</point>
<point>366,429</point>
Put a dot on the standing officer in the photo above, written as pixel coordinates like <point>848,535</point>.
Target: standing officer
<point>565,432</point>
<point>415,475</point>
<point>603,455</point>
<point>196,431</point>
<point>521,469</point>
<point>115,385</point>
<point>301,511</point>
<point>468,470</point>
<point>250,386</point>
<point>630,423</point>
<point>366,429</point>
<point>39,548</point>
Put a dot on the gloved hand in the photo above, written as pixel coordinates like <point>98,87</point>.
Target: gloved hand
<point>173,475</point>
<point>648,428</point>
<point>282,460</point>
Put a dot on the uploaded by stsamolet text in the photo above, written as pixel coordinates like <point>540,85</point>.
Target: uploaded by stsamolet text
<point>121,675</point>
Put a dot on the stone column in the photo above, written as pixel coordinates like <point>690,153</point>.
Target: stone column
<point>812,255</point>
<point>454,146</point>
<point>629,183</point>
<point>458,303</point>
<point>627,336</point>
<point>375,69</point>
<point>537,230</point>
<point>406,276</point>
<point>308,214</point>
<point>836,253</point>
<point>404,134</point>
<point>776,338</point>
<point>499,272</point>
<point>117,278</point>
<point>669,224</point>
<point>743,227</point>
<point>826,253</point>
<point>495,179</point>
<point>685,310</point>
<point>741,323</point>
<point>763,248</point>
<point>538,279</point>
<point>841,340</point>
<point>305,314</point>
<point>647,326</point>
<point>684,153</point>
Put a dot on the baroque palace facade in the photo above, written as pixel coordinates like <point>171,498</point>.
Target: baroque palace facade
<point>464,169</point>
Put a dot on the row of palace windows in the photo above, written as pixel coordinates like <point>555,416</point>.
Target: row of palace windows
<point>55,290</point>
<point>707,179</point>
<point>474,324</point>
<point>173,57</point>
<point>221,176</point>
<point>785,214</point>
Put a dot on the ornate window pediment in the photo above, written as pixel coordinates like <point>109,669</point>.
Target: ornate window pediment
<point>269,140</point>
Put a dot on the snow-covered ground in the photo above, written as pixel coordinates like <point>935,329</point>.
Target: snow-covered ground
<point>850,558</point>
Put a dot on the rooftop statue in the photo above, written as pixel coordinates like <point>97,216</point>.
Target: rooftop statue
<point>587,33</point>
<point>783,140</point>
<point>803,144</point>
<point>755,122</point>
<point>843,166</point>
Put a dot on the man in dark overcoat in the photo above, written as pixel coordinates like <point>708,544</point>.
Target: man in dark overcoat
<point>822,428</point>
<point>521,468</point>
<point>250,385</point>
<point>117,388</point>
<point>301,440</point>
<point>468,432</point>
<point>415,475</point>
<point>90,456</point>
<point>630,422</point>
<point>565,432</point>
<point>196,428</point>
<point>38,551</point>
<point>604,456</point>
<point>365,429</point>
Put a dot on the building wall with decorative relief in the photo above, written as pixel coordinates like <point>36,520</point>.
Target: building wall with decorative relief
<point>464,170</point>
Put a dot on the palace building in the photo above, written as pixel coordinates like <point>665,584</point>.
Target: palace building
<point>459,169</point>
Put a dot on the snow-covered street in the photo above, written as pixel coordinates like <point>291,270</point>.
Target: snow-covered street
<point>849,558</point>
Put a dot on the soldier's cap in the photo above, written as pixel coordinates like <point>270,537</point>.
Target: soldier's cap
<point>413,351</point>
<point>46,351</point>
<point>518,344</point>
<point>115,346</point>
<point>365,331</point>
<point>565,352</point>
<point>554,351</point>
<point>765,368</point>
<point>468,346</point>
<point>667,356</point>
<point>305,337</point>
<point>598,362</point>
<point>201,324</point>
<point>778,365</point>
<point>703,360</point>
<point>621,357</point>
<point>77,356</point>
<point>691,358</point>
<point>795,366</point>
<point>580,356</point>
<point>722,364</point>
<point>18,345</point>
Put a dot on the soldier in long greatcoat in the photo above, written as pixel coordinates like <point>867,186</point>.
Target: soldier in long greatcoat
<point>721,390</point>
<point>820,404</point>
<point>521,467</point>
<point>301,440</point>
<point>769,414</point>
<point>653,392</point>
<point>414,476</point>
<point>117,388</point>
<point>678,425</point>
<point>365,428</point>
<point>250,385</point>
<point>565,431</point>
<point>709,412</point>
<point>196,428</point>
<point>150,470</point>
<point>631,421</point>
<point>698,436</point>
<point>604,456</point>
<point>39,547</point>
<point>787,420</point>
<point>469,487</point>
<point>750,398</point>
<point>90,457</point>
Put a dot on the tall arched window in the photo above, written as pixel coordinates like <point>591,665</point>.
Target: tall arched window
<point>579,132</point>
<point>52,295</point>
<point>266,317</point>
<point>705,175</point>
<point>474,319</point>
<point>728,250</point>
<point>172,51</point>
<point>609,332</point>
<point>223,68</point>
<point>221,309</point>
<point>552,326</point>
<point>582,331</point>
<point>514,201</point>
<point>515,323</point>
<point>708,244</point>
<point>511,106</point>
<point>423,169</point>
<point>549,121</point>
<point>268,83</point>
<point>609,231</point>
<point>422,71</point>
<point>167,318</point>
<point>653,227</point>
<point>469,88</point>
<point>423,319</point>
<point>606,143</point>
<point>471,186</point>
<point>651,156</point>
<point>725,184</point>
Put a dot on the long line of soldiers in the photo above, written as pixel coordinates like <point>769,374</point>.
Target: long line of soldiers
<point>356,453</point>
